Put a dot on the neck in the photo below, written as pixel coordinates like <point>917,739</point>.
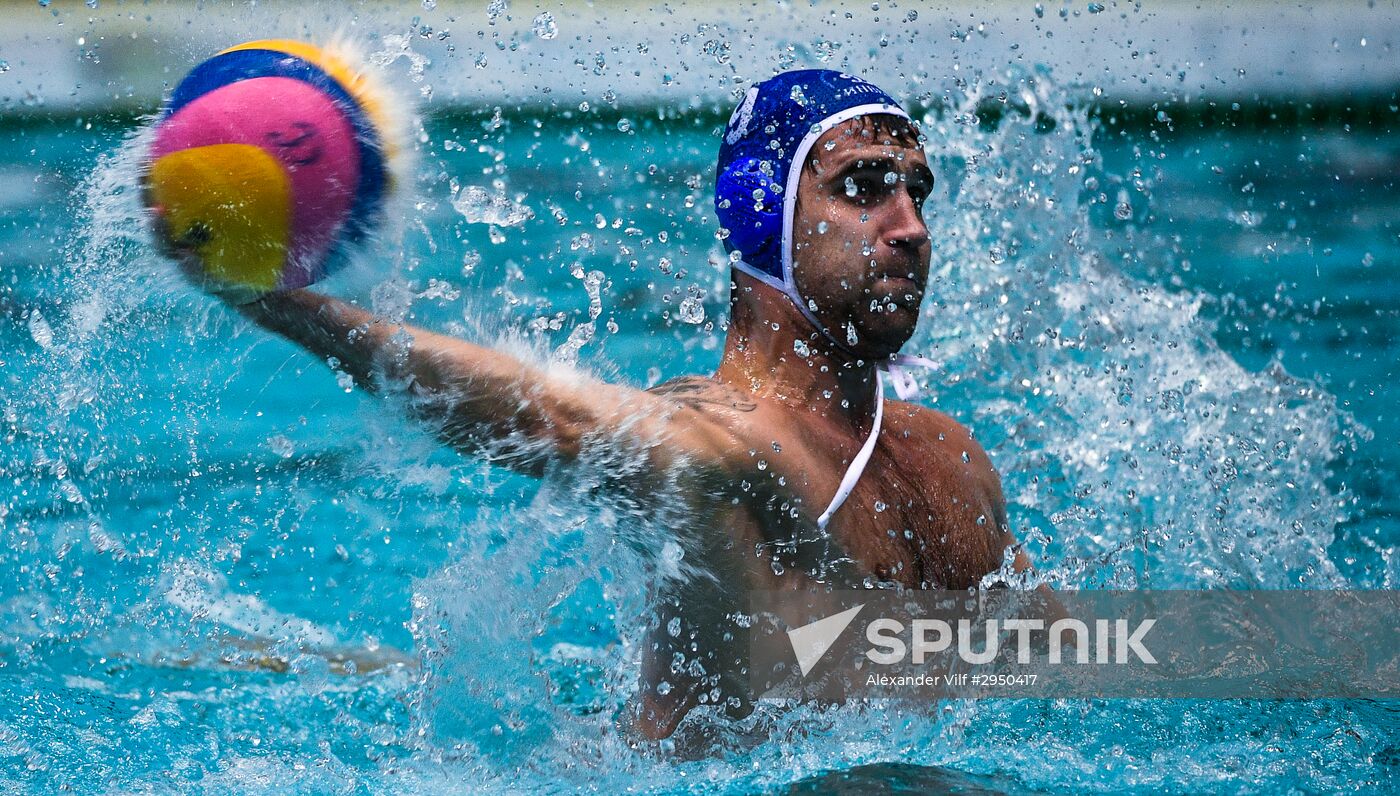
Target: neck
<point>766,362</point>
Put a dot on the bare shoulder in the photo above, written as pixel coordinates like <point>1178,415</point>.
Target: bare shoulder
<point>707,419</point>
<point>704,394</point>
<point>953,439</point>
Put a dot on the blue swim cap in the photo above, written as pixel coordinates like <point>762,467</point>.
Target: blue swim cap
<point>760,160</point>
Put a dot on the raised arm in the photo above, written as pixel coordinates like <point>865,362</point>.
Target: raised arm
<point>480,400</point>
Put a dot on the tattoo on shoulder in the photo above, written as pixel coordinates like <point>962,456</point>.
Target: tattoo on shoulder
<point>698,392</point>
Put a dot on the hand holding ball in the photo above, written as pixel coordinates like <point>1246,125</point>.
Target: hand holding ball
<point>268,164</point>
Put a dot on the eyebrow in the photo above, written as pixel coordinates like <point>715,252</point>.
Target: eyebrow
<point>879,163</point>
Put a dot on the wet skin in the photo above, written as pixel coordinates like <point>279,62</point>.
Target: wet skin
<point>757,450</point>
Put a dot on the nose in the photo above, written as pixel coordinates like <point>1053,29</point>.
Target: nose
<point>907,229</point>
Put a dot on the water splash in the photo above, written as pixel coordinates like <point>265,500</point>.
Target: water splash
<point>400,46</point>
<point>583,333</point>
<point>1134,450</point>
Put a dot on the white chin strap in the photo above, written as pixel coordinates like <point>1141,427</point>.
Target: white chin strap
<point>853,473</point>
<point>906,388</point>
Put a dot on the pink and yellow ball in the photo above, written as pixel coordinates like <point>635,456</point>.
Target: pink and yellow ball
<point>268,163</point>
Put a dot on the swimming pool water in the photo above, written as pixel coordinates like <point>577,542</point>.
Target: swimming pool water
<point>225,571</point>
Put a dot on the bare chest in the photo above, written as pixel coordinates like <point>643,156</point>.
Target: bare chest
<point>918,515</point>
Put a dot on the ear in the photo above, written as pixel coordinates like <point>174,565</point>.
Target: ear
<point>749,204</point>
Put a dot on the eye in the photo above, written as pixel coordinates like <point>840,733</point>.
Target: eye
<point>919,191</point>
<point>864,188</point>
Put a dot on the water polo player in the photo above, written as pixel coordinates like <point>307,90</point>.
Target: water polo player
<point>794,466</point>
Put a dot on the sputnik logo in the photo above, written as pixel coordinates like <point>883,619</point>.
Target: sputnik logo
<point>811,641</point>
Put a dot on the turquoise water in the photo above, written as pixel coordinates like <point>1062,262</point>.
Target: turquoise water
<point>224,571</point>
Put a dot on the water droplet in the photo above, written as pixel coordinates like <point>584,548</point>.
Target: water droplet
<point>1039,10</point>
<point>40,330</point>
<point>1096,8</point>
<point>479,206</point>
<point>544,26</point>
<point>880,506</point>
<point>281,446</point>
<point>891,178</point>
<point>851,187</point>
<point>429,5</point>
<point>624,125</point>
<point>801,348</point>
<point>692,311</point>
<point>822,227</point>
<point>663,688</point>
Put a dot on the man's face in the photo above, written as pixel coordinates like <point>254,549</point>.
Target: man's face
<point>860,246</point>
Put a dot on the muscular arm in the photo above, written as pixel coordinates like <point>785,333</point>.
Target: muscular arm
<point>478,399</point>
